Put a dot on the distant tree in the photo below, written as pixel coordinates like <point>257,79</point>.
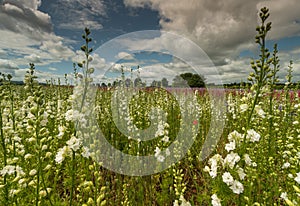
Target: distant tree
<point>128,82</point>
<point>196,81</point>
<point>117,83</point>
<point>178,81</point>
<point>164,82</point>
<point>138,82</point>
<point>156,83</point>
<point>189,79</point>
<point>103,85</point>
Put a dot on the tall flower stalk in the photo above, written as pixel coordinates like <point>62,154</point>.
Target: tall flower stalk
<point>273,80</point>
<point>261,67</point>
<point>3,143</point>
<point>84,83</point>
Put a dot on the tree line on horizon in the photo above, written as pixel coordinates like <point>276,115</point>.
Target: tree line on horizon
<point>182,80</point>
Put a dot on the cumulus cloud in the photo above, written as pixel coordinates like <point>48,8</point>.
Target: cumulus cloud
<point>52,69</point>
<point>27,33</point>
<point>7,65</point>
<point>23,17</point>
<point>10,67</point>
<point>284,16</point>
<point>33,58</point>
<point>78,14</point>
<point>223,29</point>
<point>97,62</point>
<point>81,23</point>
<point>125,56</point>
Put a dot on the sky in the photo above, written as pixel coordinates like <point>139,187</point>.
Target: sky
<point>165,38</point>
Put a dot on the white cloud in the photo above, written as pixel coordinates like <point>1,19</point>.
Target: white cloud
<point>7,65</point>
<point>27,33</point>
<point>285,17</point>
<point>52,69</point>
<point>78,14</point>
<point>118,68</point>
<point>95,7</point>
<point>12,8</point>
<point>56,49</point>
<point>33,58</point>
<point>98,63</point>
<point>81,23</point>
<point>223,28</point>
<point>125,56</point>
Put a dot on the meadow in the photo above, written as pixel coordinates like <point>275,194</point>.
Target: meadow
<point>47,157</point>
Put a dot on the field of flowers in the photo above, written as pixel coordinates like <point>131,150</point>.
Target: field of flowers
<point>46,157</point>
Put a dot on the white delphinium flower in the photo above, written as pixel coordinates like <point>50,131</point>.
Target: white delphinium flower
<point>214,169</point>
<point>61,154</point>
<point>165,139</point>
<point>74,143</point>
<point>183,201</point>
<point>243,107</point>
<point>231,159</point>
<point>230,146</point>
<point>86,152</point>
<point>213,162</point>
<point>74,115</point>
<point>13,192</point>
<point>297,178</point>
<point>160,158</point>
<point>8,170</point>
<point>22,182</point>
<point>227,178</point>
<point>286,165</point>
<point>260,111</point>
<point>168,152</point>
<point>206,169</point>
<point>158,155</point>
<point>176,203</point>
<point>61,130</point>
<point>17,139</point>
<point>157,152</point>
<point>237,187</point>
<point>248,160</point>
<point>45,119</point>
<point>235,136</point>
<point>160,129</point>
<point>19,171</point>
<point>241,173</point>
<point>283,195</point>
<point>69,115</point>
<point>215,201</point>
<point>252,136</point>
<point>11,169</point>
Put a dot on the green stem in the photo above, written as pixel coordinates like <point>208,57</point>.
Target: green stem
<point>73,178</point>
<point>44,185</point>
<point>6,199</point>
<point>38,160</point>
